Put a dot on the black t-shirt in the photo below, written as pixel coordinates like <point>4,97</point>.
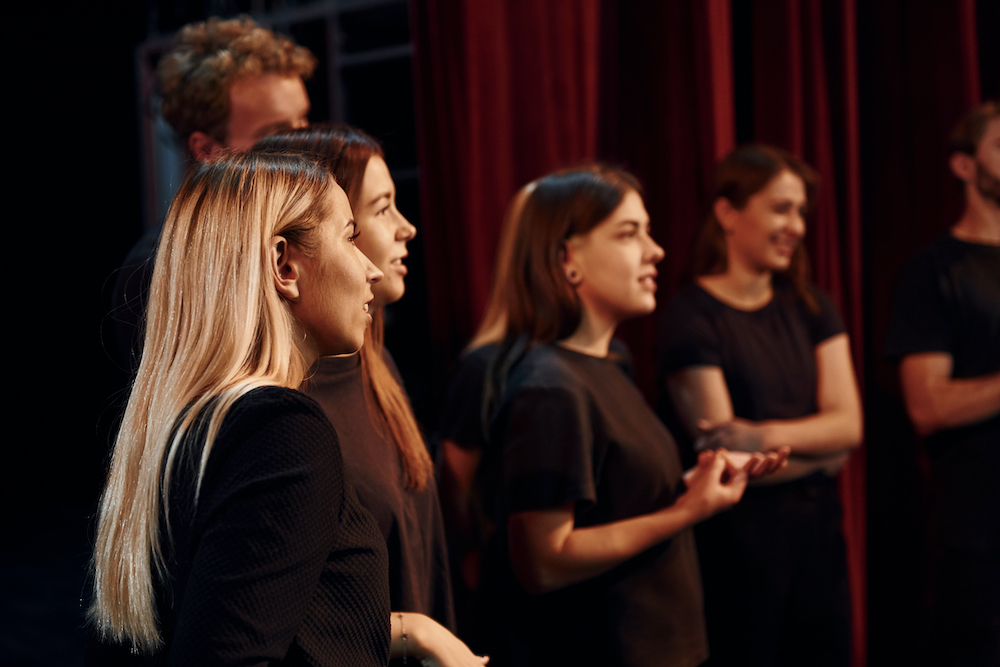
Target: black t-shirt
<point>462,420</point>
<point>278,561</point>
<point>948,300</point>
<point>573,428</point>
<point>410,521</point>
<point>768,355</point>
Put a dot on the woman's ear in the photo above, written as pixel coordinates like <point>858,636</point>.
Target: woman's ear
<point>724,212</point>
<point>285,268</point>
<point>567,257</point>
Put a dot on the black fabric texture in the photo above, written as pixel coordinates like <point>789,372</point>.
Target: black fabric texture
<point>574,429</point>
<point>277,563</point>
<point>410,521</point>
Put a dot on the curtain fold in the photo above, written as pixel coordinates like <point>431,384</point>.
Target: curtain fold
<point>506,91</point>
<point>805,100</point>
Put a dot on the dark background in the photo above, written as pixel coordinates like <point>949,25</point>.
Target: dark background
<point>78,205</point>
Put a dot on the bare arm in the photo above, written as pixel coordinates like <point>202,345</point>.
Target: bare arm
<point>820,441</point>
<point>548,551</point>
<point>935,400</point>
<point>429,642</point>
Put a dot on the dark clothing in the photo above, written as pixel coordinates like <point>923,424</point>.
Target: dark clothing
<point>462,420</point>
<point>774,566</point>
<point>767,355</point>
<point>948,300</point>
<point>410,521</point>
<point>128,302</point>
<point>277,562</point>
<point>572,428</point>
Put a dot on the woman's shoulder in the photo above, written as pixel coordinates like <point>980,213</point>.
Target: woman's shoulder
<point>268,413</point>
<point>271,402</point>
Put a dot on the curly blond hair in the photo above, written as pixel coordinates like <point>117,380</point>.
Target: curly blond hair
<point>207,57</point>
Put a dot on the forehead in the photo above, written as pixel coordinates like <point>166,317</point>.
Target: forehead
<point>991,133</point>
<point>259,101</point>
<point>785,184</point>
<point>377,178</point>
<point>340,207</point>
<point>630,209</point>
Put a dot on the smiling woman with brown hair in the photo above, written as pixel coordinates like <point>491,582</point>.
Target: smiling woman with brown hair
<point>757,360</point>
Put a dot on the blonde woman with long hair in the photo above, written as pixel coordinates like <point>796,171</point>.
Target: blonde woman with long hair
<point>227,533</point>
<point>384,451</point>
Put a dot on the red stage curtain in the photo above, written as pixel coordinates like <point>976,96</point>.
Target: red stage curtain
<point>805,99</point>
<point>506,91</point>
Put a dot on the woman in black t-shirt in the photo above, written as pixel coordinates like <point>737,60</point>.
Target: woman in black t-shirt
<point>757,360</point>
<point>593,560</point>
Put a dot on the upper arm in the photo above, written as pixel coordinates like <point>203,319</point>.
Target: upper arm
<point>918,374</point>
<point>535,539</point>
<point>837,388</point>
<point>698,393</point>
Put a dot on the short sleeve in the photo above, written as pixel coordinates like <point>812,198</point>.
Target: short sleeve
<point>462,415</point>
<point>689,337</point>
<point>918,321</point>
<point>547,450</point>
<point>825,324</point>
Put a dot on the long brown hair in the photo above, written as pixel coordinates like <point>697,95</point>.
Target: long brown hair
<point>743,173</point>
<point>345,151</point>
<point>539,303</point>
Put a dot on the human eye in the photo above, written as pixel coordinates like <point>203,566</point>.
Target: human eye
<point>354,233</point>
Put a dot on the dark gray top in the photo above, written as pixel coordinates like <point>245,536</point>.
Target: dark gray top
<point>410,521</point>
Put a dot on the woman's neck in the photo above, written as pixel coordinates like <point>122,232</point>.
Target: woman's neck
<point>740,287</point>
<point>592,336</point>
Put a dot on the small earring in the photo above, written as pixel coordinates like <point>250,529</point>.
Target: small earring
<point>571,275</point>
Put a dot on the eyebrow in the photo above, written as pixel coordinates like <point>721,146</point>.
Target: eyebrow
<point>385,195</point>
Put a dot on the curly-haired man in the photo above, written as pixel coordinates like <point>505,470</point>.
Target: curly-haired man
<point>230,83</point>
<point>225,84</point>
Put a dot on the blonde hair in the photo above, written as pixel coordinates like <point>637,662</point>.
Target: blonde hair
<point>216,328</point>
<point>207,57</point>
<point>346,151</point>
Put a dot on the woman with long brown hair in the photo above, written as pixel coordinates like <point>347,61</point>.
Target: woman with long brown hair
<point>227,532</point>
<point>593,558</point>
<point>384,451</point>
<point>757,360</point>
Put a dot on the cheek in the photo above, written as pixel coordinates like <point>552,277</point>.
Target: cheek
<point>374,242</point>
